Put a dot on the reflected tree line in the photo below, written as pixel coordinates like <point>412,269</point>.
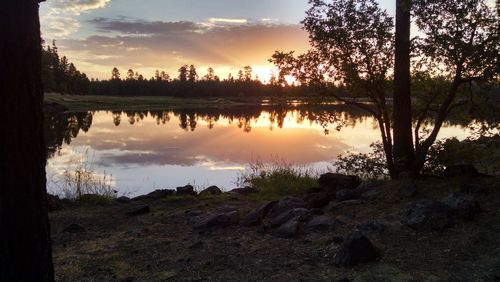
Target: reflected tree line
<point>61,128</point>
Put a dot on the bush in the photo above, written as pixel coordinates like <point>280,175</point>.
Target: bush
<point>371,165</point>
<point>278,178</point>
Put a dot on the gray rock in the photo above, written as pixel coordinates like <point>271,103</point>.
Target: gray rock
<point>407,190</point>
<point>427,215</point>
<point>212,190</point>
<point>333,206</point>
<point>371,194</point>
<point>139,210</point>
<point>217,220</point>
<point>347,194</point>
<point>356,249</point>
<point>256,216</point>
<point>334,181</point>
<point>289,229</point>
<point>160,193</point>
<point>371,226</point>
<point>193,213</point>
<point>287,204</point>
<point>141,198</point>
<point>244,191</point>
<point>286,215</point>
<point>74,228</point>
<point>317,200</point>
<point>186,190</point>
<point>123,200</point>
<point>321,222</point>
<point>464,206</point>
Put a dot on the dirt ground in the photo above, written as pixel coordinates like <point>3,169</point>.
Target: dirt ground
<point>162,245</point>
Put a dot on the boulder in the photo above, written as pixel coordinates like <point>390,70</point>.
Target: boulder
<point>141,198</point>
<point>461,170</point>
<point>317,200</point>
<point>161,193</point>
<point>186,190</point>
<point>244,191</point>
<point>472,188</point>
<point>74,228</point>
<point>356,249</point>
<point>407,190</point>
<point>286,215</point>
<point>464,206</point>
<point>371,226</point>
<point>217,220</point>
<point>321,222</point>
<point>288,229</point>
<point>122,200</point>
<point>371,194</point>
<point>346,195</point>
<point>212,190</point>
<point>334,181</point>
<point>53,202</point>
<point>193,213</point>
<point>139,210</point>
<point>427,215</point>
<point>285,204</point>
<point>256,216</point>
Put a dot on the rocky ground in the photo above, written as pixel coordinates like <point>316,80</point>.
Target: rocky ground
<point>432,229</point>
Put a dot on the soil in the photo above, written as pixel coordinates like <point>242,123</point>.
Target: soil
<point>163,246</point>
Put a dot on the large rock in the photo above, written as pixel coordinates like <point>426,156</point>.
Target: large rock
<point>53,202</point>
<point>371,226</point>
<point>461,170</point>
<point>288,229</point>
<point>464,206</point>
<point>123,200</point>
<point>321,222</point>
<point>356,249</point>
<point>338,181</point>
<point>346,195</point>
<point>244,191</point>
<point>287,204</point>
<point>186,190</point>
<point>256,216</point>
<point>427,215</point>
<point>286,215</point>
<point>217,220</point>
<point>317,200</point>
<point>161,193</point>
<point>212,190</point>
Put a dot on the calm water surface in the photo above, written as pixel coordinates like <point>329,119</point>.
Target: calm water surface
<point>144,151</point>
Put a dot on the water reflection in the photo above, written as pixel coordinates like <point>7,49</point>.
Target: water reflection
<point>161,149</point>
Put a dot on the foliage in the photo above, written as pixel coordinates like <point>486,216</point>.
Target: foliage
<point>61,76</point>
<point>80,180</point>
<point>277,178</point>
<point>365,165</point>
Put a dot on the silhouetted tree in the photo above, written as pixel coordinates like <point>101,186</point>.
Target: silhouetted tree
<point>115,74</point>
<point>25,252</point>
<point>183,73</point>
<point>192,75</point>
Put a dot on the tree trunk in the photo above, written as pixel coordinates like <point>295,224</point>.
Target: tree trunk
<point>402,122</point>
<point>25,253</point>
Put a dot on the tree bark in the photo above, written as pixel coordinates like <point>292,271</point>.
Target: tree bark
<point>402,118</point>
<point>25,251</point>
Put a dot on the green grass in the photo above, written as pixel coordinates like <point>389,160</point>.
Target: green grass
<point>76,103</point>
<point>278,178</point>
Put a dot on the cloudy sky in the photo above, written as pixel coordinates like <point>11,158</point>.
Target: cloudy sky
<point>164,34</point>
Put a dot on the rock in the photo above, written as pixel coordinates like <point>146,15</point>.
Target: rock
<point>186,190</point>
<point>123,200</point>
<point>286,215</point>
<point>161,193</point>
<point>289,229</point>
<point>314,190</point>
<point>338,239</point>
<point>321,222</point>
<point>141,198</point>
<point>217,220</point>
<point>226,209</point>
<point>197,245</point>
<point>472,188</point>
<point>334,181</point>
<point>139,210</point>
<point>427,215</point>
<point>193,213</point>
<point>464,206</point>
<point>461,170</point>
<point>317,200</point>
<point>244,191</point>
<point>256,216</point>
<point>369,185</point>
<point>407,190</point>
<point>333,206</point>
<point>356,249</point>
<point>212,190</point>
<point>371,226</point>
<point>346,194</point>
<point>74,228</point>
<point>287,203</point>
<point>53,202</point>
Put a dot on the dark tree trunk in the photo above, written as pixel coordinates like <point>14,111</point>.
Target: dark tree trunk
<point>25,253</point>
<point>402,122</point>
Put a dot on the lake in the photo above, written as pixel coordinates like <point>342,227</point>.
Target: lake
<point>144,151</point>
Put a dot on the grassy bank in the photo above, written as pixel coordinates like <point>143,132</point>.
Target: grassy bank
<point>76,103</point>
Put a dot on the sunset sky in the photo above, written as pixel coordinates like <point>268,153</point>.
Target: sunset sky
<point>164,34</point>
